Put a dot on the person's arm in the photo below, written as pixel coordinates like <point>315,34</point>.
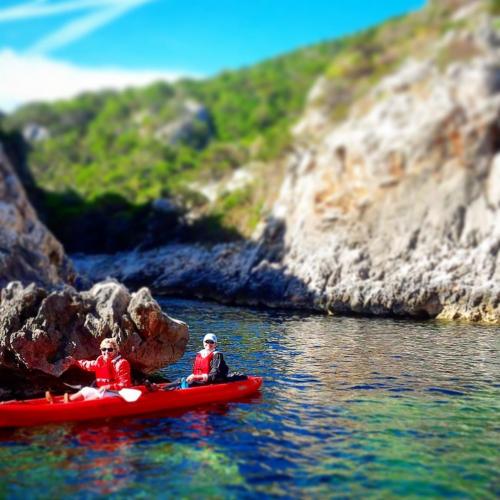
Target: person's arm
<point>87,365</point>
<point>218,368</point>
<point>197,378</point>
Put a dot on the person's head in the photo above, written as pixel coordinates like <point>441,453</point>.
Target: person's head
<point>210,341</point>
<point>109,348</point>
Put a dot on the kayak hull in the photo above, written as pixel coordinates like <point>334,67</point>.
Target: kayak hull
<point>39,411</point>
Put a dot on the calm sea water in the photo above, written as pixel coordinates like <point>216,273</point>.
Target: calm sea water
<point>350,408</point>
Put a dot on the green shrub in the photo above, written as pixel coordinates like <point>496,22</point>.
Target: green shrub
<point>494,7</point>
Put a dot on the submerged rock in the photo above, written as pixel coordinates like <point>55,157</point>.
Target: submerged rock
<point>39,329</point>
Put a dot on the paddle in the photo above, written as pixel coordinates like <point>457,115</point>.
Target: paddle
<point>171,385</point>
<point>176,384</point>
<point>127,394</point>
<point>76,387</point>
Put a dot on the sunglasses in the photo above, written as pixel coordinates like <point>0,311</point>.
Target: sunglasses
<point>209,342</point>
<point>107,349</point>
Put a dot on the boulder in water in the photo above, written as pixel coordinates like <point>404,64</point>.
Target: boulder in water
<point>39,329</point>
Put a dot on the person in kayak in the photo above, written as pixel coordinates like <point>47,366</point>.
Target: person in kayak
<point>209,365</point>
<point>111,370</point>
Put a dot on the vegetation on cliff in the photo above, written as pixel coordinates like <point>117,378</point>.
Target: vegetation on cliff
<point>107,156</point>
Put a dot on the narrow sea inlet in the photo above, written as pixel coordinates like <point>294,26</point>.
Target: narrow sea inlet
<point>350,408</point>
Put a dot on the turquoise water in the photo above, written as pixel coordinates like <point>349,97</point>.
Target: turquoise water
<point>351,408</point>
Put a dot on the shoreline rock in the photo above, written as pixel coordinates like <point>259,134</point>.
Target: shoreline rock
<point>187,271</point>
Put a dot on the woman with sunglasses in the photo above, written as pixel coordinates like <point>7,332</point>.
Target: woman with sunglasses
<point>209,365</point>
<point>111,370</point>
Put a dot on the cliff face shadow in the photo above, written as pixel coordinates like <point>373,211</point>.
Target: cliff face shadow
<point>269,281</point>
<point>106,224</point>
<point>16,149</point>
<point>244,273</point>
<point>109,223</point>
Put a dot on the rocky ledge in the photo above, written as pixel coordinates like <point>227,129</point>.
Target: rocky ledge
<point>38,329</point>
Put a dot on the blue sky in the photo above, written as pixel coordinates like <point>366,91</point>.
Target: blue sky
<point>65,46</point>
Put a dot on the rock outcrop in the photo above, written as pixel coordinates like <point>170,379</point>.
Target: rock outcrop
<point>38,329</point>
<point>28,251</point>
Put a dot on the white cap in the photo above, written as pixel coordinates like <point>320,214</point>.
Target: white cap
<point>210,336</point>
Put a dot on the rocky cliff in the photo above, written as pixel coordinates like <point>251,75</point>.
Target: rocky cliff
<point>28,251</point>
<point>396,210</point>
<point>392,211</point>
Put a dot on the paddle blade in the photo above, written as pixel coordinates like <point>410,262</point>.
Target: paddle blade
<point>130,395</point>
<point>71,386</point>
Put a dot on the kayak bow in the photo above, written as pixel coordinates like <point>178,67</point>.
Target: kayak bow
<point>39,411</point>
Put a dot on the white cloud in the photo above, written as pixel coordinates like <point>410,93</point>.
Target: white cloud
<point>75,30</point>
<point>34,76</point>
<point>42,8</point>
<point>102,12</point>
<point>28,78</point>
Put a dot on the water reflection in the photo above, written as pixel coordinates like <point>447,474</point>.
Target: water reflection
<point>354,394</point>
<point>95,458</point>
<point>350,407</point>
<point>108,463</point>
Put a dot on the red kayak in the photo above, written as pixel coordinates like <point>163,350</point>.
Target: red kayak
<point>40,411</point>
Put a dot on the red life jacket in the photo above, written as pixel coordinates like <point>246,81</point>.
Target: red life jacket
<point>115,373</point>
<point>202,365</point>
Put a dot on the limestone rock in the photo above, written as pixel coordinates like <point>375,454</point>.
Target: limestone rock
<point>33,132</point>
<point>39,329</point>
<point>395,211</point>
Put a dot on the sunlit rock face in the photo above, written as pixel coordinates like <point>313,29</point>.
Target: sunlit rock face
<point>39,329</point>
<point>392,211</point>
<point>396,209</point>
<point>28,251</point>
